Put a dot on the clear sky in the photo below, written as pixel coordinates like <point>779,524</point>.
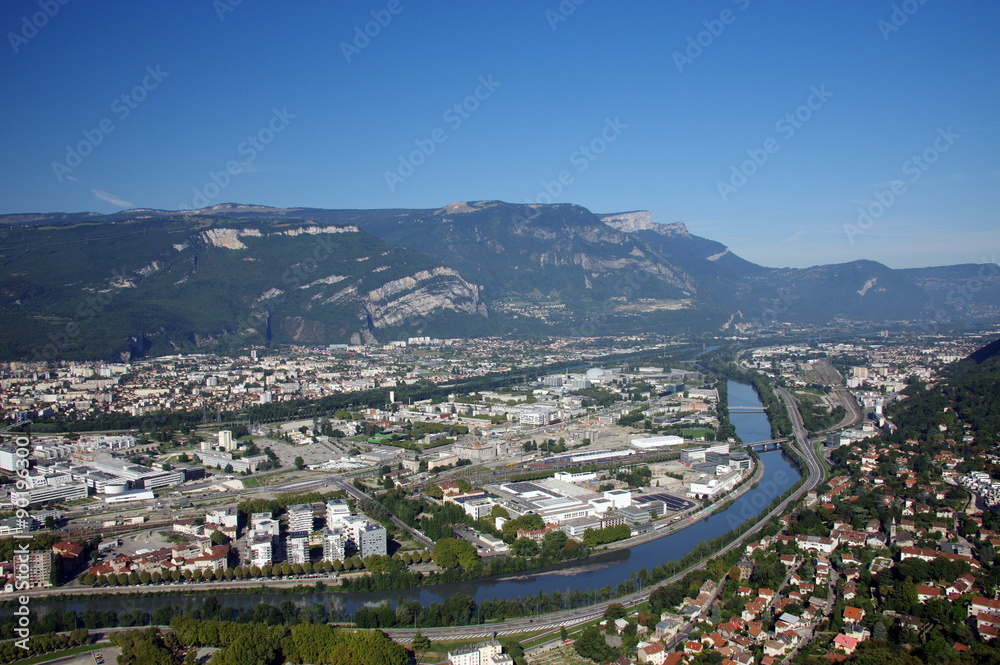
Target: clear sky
<point>765,126</point>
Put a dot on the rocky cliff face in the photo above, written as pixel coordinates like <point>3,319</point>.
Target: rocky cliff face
<point>642,220</point>
<point>637,220</point>
<point>422,294</point>
<point>205,280</point>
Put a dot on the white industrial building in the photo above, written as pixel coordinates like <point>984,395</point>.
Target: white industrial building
<point>475,506</point>
<point>129,497</point>
<point>223,460</point>
<point>43,489</point>
<point>619,498</point>
<point>555,501</point>
<point>707,487</point>
<point>138,476</point>
<point>652,442</point>
<point>567,477</point>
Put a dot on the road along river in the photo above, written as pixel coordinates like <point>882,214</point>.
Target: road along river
<point>593,573</point>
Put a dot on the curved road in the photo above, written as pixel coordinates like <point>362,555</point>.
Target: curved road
<point>552,622</point>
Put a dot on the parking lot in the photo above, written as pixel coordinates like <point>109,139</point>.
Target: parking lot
<point>151,539</point>
<point>313,453</point>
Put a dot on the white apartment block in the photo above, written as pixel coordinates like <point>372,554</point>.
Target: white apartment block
<point>482,653</point>
<point>297,547</point>
<point>372,539</point>
<point>336,510</point>
<point>334,545</point>
<point>224,517</point>
<point>300,518</point>
<point>261,551</point>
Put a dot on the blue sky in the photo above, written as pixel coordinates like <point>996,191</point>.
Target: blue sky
<point>770,127</point>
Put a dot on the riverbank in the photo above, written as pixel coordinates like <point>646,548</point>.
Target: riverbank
<point>599,574</point>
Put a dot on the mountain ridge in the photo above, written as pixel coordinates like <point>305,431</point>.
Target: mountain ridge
<point>466,268</point>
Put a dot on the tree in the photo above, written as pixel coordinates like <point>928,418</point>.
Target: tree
<point>591,645</point>
<point>524,547</point>
<point>434,491</point>
<point>527,522</point>
<point>421,643</point>
<point>299,463</point>
<point>615,611</point>
<point>218,538</point>
<point>452,552</point>
<point>554,543</point>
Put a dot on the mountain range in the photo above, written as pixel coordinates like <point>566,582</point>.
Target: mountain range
<point>84,285</point>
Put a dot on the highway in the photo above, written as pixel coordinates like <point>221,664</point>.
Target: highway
<point>802,444</point>
<point>553,621</point>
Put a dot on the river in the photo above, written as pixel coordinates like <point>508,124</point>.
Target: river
<point>608,569</point>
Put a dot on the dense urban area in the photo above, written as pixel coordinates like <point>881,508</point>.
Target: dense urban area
<point>358,469</point>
